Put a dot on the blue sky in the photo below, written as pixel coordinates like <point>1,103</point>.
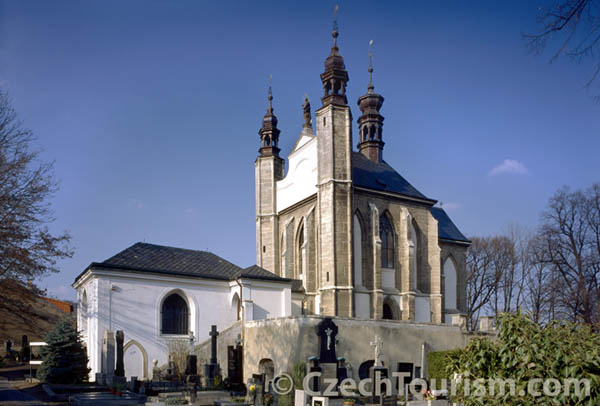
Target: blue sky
<point>151,109</point>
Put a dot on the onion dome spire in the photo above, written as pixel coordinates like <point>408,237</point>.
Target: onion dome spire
<point>335,76</point>
<point>371,121</point>
<point>269,133</point>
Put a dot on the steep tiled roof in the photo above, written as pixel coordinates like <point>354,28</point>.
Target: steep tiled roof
<point>257,272</point>
<point>143,257</point>
<point>446,228</point>
<point>371,175</point>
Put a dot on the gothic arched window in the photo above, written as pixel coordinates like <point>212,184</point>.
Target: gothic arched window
<point>175,315</point>
<point>413,255</point>
<point>386,232</point>
<point>300,252</point>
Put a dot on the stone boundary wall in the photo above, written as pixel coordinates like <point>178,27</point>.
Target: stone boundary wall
<point>225,338</point>
<point>290,340</point>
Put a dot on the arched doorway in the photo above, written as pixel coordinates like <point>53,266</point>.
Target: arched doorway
<point>391,310</point>
<point>267,367</point>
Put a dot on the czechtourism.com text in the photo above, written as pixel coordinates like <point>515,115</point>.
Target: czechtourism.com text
<point>479,388</point>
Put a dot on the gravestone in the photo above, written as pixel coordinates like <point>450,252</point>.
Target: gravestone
<point>235,365</point>
<point>407,368</point>
<point>25,349</point>
<point>327,332</point>
<point>108,355</point>
<point>328,362</point>
<point>378,373</point>
<point>314,383</point>
<point>8,346</point>
<point>120,368</point>
<point>211,370</point>
<point>191,361</point>
<point>342,372</point>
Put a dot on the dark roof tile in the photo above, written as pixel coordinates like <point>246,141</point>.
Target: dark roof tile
<point>371,175</point>
<point>447,230</point>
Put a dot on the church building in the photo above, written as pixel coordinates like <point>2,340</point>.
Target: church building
<point>364,242</point>
<point>341,235</point>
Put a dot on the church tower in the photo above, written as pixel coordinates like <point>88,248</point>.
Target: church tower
<point>370,123</point>
<point>334,136</point>
<point>268,169</point>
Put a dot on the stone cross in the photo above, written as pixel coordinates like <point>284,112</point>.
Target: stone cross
<point>213,344</point>
<point>378,344</point>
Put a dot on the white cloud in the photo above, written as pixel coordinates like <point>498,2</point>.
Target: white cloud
<point>138,204</point>
<point>509,166</point>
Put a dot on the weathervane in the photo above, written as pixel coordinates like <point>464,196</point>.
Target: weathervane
<point>270,91</point>
<point>335,23</point>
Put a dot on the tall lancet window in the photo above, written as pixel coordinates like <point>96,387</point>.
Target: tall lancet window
<point>413,250</point>
<point>300,254</point>
<point>357,248</point>
<point>449,284</point>
<point>175,315</point>
<point>386,232</point>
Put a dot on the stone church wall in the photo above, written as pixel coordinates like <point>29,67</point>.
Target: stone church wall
<point>287,341</point>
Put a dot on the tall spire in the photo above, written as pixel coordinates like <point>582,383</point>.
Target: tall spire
<point>371,121</point>
<point>335,76</point>
<point>269,133</point>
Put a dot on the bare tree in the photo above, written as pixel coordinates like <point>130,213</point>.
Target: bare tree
<point>482,278</point>
<point>27,247</point>
<point>574,27</point>
<point>571,246</point>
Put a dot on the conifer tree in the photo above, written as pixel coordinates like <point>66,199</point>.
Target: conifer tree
<point>64,358</point>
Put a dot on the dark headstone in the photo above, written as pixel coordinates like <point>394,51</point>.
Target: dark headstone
<point>407,368</point>
<point>191,365</point>
<point>8,346</point>
<point>378,374</point>
<point>25,349</point>
<point>235,367</point>
<point>342,372</point>
<point>313,383</point>
<point>211,370</point>
<point>120,368</point>
<point>327,331</point>
<point>213,344</point>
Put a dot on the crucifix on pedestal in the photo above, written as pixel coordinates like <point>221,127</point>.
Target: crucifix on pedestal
<point>378,344</point>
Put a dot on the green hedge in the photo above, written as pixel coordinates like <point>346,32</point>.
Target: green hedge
<point>437,362</point>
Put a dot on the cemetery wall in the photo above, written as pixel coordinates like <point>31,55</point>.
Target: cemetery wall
<point>287,341</point>
<point>225,338</point>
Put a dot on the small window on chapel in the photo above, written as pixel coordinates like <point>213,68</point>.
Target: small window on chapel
<point>175,315</point>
